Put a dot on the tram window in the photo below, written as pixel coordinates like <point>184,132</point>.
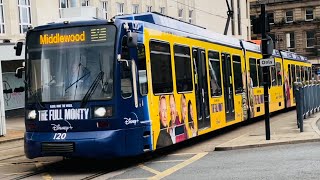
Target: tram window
<point>260,74</point>
<point>289,75</point>
<point>302,70</point>
<point>293,74</point>
<point>307,74</point>
<point>125,54</point>
<point>310,74</point>
<point>279,73</point>
<point>182,61</point>
<point>215,73</point>
<point>273,76</point>
<point>237,74</point>
<point>298,73</point>
<point>161,70</point>
<point>142,70</point>
<point>253,72</point>
<point>126,79</point>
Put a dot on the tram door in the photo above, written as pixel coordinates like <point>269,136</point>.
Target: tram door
<point>228,87</point>
<point>201,87</point>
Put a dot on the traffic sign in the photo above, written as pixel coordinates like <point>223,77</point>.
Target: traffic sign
<point>267,62</point>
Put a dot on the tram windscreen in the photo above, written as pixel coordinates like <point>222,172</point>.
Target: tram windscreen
<point>70,63</point>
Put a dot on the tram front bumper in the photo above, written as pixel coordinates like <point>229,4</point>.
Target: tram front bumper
<point>93,144</point>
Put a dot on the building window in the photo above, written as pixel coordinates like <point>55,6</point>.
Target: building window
<point>270,17</point>
<point>162,10</point>
<point>180,12</point>
<point>85,2</point>
<point>309,14</point>
<point>289,16</point>
<point>120,8</point>
<point>135,8</point>
<point>63,4</point>
<point>190,16</point>
<point>149,8</point>
<point>161,69</point>
<point>310,39</point>
<point>24,15</point>
<point>2,30</point>
<point>104,5</point>
<point>290,40</point>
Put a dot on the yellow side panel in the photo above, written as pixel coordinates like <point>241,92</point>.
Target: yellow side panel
<point>276,96</point>
<point>183,106</point>
<point>186,109</point>
<point>255,94</point>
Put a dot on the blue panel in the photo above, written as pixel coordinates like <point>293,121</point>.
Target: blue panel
<point>92,144</point>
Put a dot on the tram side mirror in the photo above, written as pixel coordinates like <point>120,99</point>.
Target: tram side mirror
<point>18,48</point>
<point>19,71</point>
<point>132,40</point>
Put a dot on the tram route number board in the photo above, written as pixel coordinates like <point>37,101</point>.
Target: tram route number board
<point>267,62</point>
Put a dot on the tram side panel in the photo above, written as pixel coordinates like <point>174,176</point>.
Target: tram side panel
<point>296,71</point>
<point>172,101</point>
<point>215,100</point>
<point>254,85</point>
<point>289,79</point>
<point>225,69</point>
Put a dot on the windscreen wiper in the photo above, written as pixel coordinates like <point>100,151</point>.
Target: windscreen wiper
<point>75,82</point>
<point>92,88</point>
<point>36,98</point>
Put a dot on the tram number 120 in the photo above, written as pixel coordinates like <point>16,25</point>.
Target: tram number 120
<point>59,136</point>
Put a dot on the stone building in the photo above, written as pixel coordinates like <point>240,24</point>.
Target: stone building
<point>212,17</point>
<point>294,24</point>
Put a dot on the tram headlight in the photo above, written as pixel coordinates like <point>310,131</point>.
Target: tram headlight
<point>32,114</point>
<point>102,112</point>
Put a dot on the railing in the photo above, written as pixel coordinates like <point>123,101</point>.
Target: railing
<point>307,96</point>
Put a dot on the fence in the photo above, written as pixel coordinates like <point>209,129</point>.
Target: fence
<point>307,96</point>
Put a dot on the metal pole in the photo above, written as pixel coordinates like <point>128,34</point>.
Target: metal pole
<point>300,105</point>
<point>3,130</point>
<point>265,71</point>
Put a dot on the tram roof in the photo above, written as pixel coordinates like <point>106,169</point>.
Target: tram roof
<point>251,46</point>
<point>194,31</point>
<point>293,56</point>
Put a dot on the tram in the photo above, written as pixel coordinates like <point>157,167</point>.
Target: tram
<point>137,83</point>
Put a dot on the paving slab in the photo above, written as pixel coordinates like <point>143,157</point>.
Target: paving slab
<point>284,130</point>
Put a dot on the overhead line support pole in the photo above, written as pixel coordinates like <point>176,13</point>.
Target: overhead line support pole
<point>266,71</point>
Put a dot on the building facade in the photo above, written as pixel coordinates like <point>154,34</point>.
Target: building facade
<point>192,11</point>
<point>295,25</point>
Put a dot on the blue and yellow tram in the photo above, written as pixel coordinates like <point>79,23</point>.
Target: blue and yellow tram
<point>141,82</point>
